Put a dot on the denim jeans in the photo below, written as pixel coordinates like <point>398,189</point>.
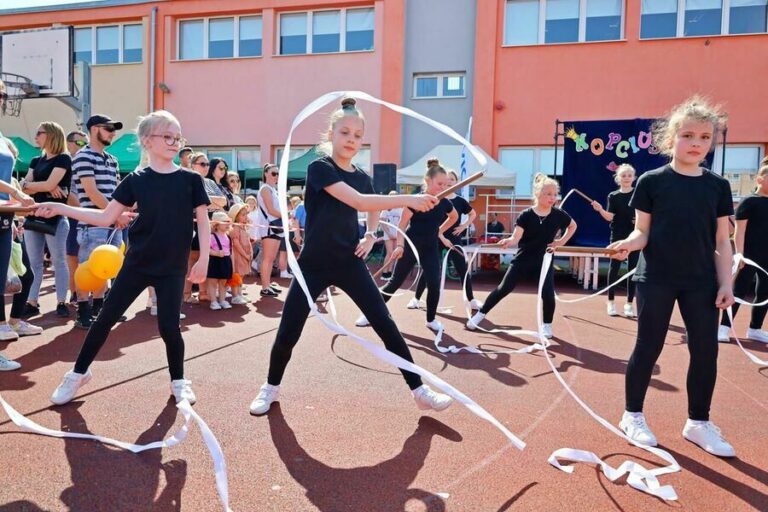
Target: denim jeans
<point>89,238</point>
<point>57,245</point>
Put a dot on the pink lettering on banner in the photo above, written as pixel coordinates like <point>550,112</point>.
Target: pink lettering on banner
<point>613,138</point>
<point>621,149</point>
<point>644,139</point>
<point>597,146</point>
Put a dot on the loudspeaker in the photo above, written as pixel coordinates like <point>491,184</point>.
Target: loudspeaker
<point>384,178</point>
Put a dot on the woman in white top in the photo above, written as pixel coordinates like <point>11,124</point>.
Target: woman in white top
<point>269,206</point>
<point>390,235</point>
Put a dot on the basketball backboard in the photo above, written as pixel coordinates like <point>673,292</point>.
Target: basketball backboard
<point>44,57</point>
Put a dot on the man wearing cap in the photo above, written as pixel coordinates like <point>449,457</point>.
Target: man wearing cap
<point>94,179</point>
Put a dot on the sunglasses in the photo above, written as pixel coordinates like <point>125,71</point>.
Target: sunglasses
<point>40,132</point>
<point>79,143</point>
<point>203,163</point>
<point>108,127</point>
<point>273,173</point>
<point>3,95</point>
<point>222,168</point>
<point>234,180</point>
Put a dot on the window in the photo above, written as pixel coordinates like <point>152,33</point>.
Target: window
<point>345,30</point>
<point>528,22</point>
<point>214,38</point>
<point>702,17</point>
<point>296,152</point>
<point>238,159</point>
<point>526,162</point>
<point>748,16</point>
<point>107,45</point>
<point>741,165</point>
<point>603,20</point>
<point>250,36</point>
<point>439,86</point>
<point>221,38</point>
<point>359,35</point>
<point>83,46</point>
<point>659,19</point>
<point>132,44</point>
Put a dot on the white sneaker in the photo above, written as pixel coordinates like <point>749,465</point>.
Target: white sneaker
<point>69,386</point>
<point>215,305</point>
<point>225,305</point>
<point>475,305</point>
<point>633,424</point>
<point>7,333</point>
<point>414,303</point>
<point>427,399</point>
<point>182,390</point>
<point>7,365</point>
<point>611,309</point>
<point>707,435</point>
<point>150,301</point>
<point>362,321</point>
<point>239,300</point>
<point>474,322</point>
<point>286,275</point>
<point>757,335</point>
<point>629,310</point>
<point>547,329</point>
<point>182,316</point>
<point>22,328</point>
<point>435,325</point>
<point>263,401</point>
<point>153,310</point>
<point>723,334</point>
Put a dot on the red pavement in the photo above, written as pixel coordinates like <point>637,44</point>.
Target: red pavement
<point>347,436</point>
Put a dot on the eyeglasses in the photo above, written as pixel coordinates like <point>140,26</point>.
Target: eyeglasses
<point>108,127</point>
<point>203,163</point>
<point>170,140</point>
<point>40,132</point>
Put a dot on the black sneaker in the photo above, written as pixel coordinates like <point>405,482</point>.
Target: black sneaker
<point>386,276</point>
<point>62,310</point>
<point>83,323</point>
<point>30,311</point>
<point>268,292</point>
<point>73,298</point>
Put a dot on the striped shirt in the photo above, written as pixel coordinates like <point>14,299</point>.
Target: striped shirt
<point>89,163</point>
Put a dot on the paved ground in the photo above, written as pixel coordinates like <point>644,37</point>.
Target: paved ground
<point>347,437</point>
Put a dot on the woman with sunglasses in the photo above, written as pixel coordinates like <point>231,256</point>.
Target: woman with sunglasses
<point>217,172</point>
<point>234,185</point>
<point>48,179</point>
<point>269,206</point>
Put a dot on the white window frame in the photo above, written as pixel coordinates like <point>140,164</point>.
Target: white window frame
<point>309,33</point>
<point>509,193</point>
<point>725,22</point>
<point>582,25</point>
<point>440,77</point>
<point>232,160</point>
<point>120,42</point>
<point>717,160</point>
<point>235,35</point>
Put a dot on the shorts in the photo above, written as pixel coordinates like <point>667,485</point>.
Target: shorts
<point>294,246</point>
<point>73,248</point>
<point>89,238</point>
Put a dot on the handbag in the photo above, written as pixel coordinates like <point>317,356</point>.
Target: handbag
<point>42,225</point>
<point>12,282</point>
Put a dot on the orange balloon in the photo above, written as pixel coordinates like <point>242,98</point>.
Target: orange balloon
<point>86,281</point>
<point>106,261</point>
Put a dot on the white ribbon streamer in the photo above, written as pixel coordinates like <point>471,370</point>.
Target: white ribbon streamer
<point>415,255</point>
<point>375,349</point>
<point>737,259</point>
<point>219,464</point>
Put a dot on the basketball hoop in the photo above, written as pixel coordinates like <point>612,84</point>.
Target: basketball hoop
<point>18,88</point>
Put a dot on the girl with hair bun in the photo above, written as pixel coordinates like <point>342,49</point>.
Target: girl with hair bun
<point>334,254</point>
<point>426,230</point>
<point>536,231</point>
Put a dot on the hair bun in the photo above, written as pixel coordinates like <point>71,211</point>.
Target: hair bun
<point>432,161</point>
<point>348,103</point>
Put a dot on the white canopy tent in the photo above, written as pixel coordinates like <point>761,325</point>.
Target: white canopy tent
<point>449,155</point>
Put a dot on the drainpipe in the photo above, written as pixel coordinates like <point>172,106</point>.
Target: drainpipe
<point>152,45</point>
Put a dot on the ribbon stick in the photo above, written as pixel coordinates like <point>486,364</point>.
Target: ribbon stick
<point>458,186</point>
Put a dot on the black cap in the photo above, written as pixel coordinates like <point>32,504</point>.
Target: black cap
<point>101,119</point>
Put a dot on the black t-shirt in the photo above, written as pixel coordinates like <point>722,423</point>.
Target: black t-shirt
<point>754,209</point>
<point>495,228</point>
<point>41,170</point>
<point>538,232</point>
<point>623,222</point>
<point>684,210</point>
<point>462,207</point>
<point>424,226</point>
<point>162,233</point>
<point>331,229</point>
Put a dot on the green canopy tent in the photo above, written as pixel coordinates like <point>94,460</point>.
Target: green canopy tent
<point>27,152</point>
<point>127,150</point>
<point>297,170</point>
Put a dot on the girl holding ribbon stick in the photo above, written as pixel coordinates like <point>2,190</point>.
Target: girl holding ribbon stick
<point>681,227</point>
<point>161,238</point>
<point>333,253</point>
<point>536,231</point>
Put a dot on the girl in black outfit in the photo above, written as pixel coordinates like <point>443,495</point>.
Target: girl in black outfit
<point>452,240</point>
<point>752,242</point>
<point>622,219</point>
<point>161,237</point>
<point>535,232</point>
<point>682,229</point>
<point>333,254</point>
<point>424,230</point>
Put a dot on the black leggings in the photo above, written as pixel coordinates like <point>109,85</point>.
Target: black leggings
<point>126,287</point>
<point>515,272</point>
<point>429,257</point>
<point>613,274</point>
<point>19,299</point>
<point>456,258</point>
<point>353,278</point>
<point>697,307</point>
<point>745,283</point>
